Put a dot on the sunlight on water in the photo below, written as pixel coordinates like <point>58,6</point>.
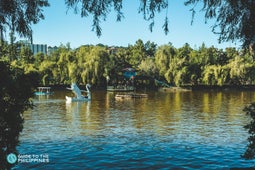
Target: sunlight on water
<point>193,130</point>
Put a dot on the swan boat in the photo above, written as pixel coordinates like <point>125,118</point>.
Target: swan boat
<point>78,96</point>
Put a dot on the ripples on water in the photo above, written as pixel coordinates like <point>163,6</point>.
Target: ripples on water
<point>187,130</point>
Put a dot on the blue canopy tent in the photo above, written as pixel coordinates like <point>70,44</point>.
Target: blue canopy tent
<point>124,82</point>
<point>129,72</point>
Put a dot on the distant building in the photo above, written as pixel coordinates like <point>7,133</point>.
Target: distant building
<point>36,48</point>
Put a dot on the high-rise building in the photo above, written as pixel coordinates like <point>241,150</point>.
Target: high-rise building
<point>38,48</point>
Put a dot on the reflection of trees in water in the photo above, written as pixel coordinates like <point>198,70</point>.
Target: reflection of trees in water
<point>16,91</point>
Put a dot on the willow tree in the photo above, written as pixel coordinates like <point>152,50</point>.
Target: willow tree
<point>163,57</point>
<point>148,67</point>
<point>177,72</point>
<point>61,71</point>
<point>99,9</point>
<point>93,69</point>
<point>215,75</point>
<point>237,70</point>
<point>45,70</point>
<point>234,19</point>
<point>18,16</point>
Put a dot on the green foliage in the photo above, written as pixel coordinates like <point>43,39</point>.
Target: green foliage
<point>26,55</point>
<point>45,70</point>
<point>101,8</point>
<point>177,66</point>
<point>163,57</point>
<point>92,64</point>
<point>234,18</point>
<point>15,97</point>
<point>17,16</point>
<point>212,75</point>
<point>139,52</point>
<point>250,150</point>
<point>148,67</point>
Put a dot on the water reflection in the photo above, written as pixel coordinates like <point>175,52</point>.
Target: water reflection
<point>78,116</point>
<point>165,130</point>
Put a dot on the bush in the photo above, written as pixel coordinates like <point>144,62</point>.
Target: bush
<point>16,90</point>
<point>250,150</point>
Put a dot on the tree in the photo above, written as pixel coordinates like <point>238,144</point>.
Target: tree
<point>16,91</point>
<point>148,67</point>
<point>60,56</point>
<point>91,64</point>
<point>8,52</point>
<point>45,69</point>
<point>163,57</point>
<point>250,150</point>
<point>17,16</point>
<point>26,55</point>
<point>177,73</point>
<point>150,48</point>
<point>140,51</point>
<point>99,9</point>
<point>234,19</point>
<point>215,75</point>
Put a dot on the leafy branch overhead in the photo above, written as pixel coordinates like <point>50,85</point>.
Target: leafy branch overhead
<point>99,9</point>
<point>234,18</point>
<point>18,16</point>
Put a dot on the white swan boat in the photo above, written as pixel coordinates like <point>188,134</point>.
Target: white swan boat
<point>78,96</point>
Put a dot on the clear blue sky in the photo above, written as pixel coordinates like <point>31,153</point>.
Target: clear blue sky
<point>62,26</point>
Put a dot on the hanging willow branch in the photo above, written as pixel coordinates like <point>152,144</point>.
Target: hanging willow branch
<point>18,16</point>
<point>99,9</point>
<point>235,19</point>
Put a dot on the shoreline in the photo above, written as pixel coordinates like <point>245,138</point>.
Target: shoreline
<point>217,87</point>
<point>172,88</point>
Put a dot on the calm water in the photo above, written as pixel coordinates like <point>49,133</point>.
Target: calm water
<point>185,130</point>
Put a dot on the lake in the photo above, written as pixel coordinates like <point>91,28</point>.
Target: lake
<point>167,130</point>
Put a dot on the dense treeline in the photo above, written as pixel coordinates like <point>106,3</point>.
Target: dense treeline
<point>176,66</point>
